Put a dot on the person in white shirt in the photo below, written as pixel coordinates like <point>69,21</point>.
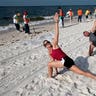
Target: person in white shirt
<point>16,18</point>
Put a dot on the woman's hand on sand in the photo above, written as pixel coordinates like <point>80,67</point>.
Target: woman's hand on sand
<point>56,17</point>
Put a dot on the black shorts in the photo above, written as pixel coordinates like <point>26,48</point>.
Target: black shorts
<point>68,62</point>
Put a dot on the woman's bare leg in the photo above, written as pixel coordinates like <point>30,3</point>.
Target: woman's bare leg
<point>75,69</point>
<point>50,71</point>
<point>55,64</point>
<point>56,70</point>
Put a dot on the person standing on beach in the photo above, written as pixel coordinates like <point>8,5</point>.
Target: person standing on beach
<point>59,59</point>
<point>80,13</point>
<point>95,13</point>
<point>71,15</point>
<point>26,20</point>
<point>16,19</point>
<point>92,38</point>
<point>87,14</point>
<point>90,14</point>
<point>61,16</point>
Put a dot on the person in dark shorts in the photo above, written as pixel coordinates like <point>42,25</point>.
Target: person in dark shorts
<point>16,19</point>
<point>92,38</point>
<point>79,13</point>
<point>61,15</point>
<point>59,59</point>
<point>26,22</point>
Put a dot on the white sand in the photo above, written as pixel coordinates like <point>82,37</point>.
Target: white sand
<point>23,65</point>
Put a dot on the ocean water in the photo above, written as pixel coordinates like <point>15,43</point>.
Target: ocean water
<point>7,12</point>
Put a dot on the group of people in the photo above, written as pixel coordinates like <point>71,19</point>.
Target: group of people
<point>88,13</point>
<point>18,19</point>
<point>70,14</point>
<point>59,59</point>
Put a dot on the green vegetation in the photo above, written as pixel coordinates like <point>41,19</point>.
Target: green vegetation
<point>36,18</point>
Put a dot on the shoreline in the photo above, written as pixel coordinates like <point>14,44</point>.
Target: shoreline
<point>47,19</point>
<point>12,35</point>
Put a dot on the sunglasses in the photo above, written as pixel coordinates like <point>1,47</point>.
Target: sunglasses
<point>45,43</point>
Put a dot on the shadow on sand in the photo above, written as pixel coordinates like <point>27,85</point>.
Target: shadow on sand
<point>81,62</point>
<point>70,25</point>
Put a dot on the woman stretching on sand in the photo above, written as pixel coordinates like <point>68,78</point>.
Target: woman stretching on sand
<point>58,58</point>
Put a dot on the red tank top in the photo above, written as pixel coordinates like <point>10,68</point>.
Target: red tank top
<point>58,54</point>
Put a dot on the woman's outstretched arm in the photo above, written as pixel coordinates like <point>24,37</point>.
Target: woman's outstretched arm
<point>56,35</point>
<point>93,29</point>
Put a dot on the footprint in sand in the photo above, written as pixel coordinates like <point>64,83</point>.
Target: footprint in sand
<point>1,44</point>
